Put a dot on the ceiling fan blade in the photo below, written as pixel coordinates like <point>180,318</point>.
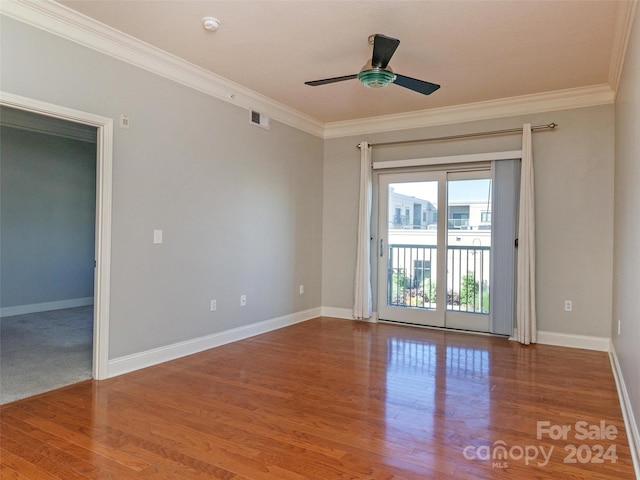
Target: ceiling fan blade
<point>315,83</point>
<point>420,86</point>
<point>383,49</point>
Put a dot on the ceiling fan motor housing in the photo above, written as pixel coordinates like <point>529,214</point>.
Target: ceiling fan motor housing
<point>376,77</point>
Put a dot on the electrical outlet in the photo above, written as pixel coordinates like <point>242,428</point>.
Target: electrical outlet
<point>243,300</point>
<point>568,305</point>
<point>213,305</point>
<point>619,326</point>
<point>157,237</point>
<point>301,289</point>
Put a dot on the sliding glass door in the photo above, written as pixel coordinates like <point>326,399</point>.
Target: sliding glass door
<point>434,249</point>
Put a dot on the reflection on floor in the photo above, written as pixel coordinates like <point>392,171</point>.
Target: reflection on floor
<point>334,399</point>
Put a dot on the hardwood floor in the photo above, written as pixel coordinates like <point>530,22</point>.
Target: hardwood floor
<point>332,399</point>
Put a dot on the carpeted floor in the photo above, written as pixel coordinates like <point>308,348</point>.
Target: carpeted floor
<point>44,351</point>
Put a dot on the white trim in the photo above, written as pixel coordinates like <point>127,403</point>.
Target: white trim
<point>630,424</point>
<point>46,125</point>
<point>102,277</point>
<point>507,107</point>
<point>130,363</point>
<point>104,161</point>
<point>470,158</point>
<point>345,314</point>
<point>59,20</point>
<point>45,306</point>
<point>600,344</point>
<point>622,33</point>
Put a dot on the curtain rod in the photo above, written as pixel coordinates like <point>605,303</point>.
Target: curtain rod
<point>549,126</point>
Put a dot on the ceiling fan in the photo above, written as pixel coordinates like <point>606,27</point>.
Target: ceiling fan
<point>377,73</point>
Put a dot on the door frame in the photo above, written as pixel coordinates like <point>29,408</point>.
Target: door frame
<point>104,166</point>
<point>451,163</point>
<point>456,319</point>
<point>426,317</point>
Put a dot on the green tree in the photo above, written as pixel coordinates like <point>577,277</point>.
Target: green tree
<point>469,291</point>
<point>399,284</point>
<point>430,290</point>
<point>485,302</point>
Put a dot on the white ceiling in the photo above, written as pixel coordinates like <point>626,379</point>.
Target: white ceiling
<point>477,50</point>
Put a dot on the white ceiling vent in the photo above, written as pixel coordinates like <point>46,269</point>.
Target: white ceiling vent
<point>259,119</point>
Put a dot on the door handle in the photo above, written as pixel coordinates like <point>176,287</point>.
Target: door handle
<point>381,247</point>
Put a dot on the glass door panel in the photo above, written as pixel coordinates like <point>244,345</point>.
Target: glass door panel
<point>434,263</point>
<point>411,250</point>
<point>468,250</point>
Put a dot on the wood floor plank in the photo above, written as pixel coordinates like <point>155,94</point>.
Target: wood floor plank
<point>331,399</point>
<point>14,466</point>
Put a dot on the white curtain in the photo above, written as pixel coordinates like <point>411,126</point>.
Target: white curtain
<point>526,292</point>
<point>362,304</point>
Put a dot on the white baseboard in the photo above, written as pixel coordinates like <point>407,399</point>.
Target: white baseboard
<point>600,344</point>
<point>345,313</point>
<point>45,307</point>
<point>630,424</point>
<point>129,363</point>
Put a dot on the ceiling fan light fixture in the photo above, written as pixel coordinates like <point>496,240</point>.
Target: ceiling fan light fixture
<point>376,77</point>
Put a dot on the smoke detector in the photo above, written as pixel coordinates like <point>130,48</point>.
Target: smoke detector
<point>210,23</point>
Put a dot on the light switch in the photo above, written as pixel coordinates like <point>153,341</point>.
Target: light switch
<point>157,237</point>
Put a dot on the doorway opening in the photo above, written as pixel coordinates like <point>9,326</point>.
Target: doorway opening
<point>48,197</point>
<point>103,193</point>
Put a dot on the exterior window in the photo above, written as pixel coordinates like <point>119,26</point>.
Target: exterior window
<point>422,271</point>
<point>459,217</point>
<point>485,217</point>
<point>459,220</point>
<point>397,216</point>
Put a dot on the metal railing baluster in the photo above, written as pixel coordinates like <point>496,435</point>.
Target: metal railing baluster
<point>409,277</point>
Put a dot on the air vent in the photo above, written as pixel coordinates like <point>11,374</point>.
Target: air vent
<point>260,119</point>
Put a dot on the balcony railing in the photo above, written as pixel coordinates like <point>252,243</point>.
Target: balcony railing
<point>410,282</point>
<point>458,223</point>
<point>400,221</point>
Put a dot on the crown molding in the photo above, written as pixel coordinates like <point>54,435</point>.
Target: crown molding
<point>59,20</point>
<point>505,107</point>
<point>71,25</point>
<point>622,33</point>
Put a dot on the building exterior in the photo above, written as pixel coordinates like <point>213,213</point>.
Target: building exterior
<point>412,254</point>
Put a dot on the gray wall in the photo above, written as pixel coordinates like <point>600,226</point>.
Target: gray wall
<point>47,207</point>
<point>574,209</point>
<point>240,206</point>
<point>626,266</point>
